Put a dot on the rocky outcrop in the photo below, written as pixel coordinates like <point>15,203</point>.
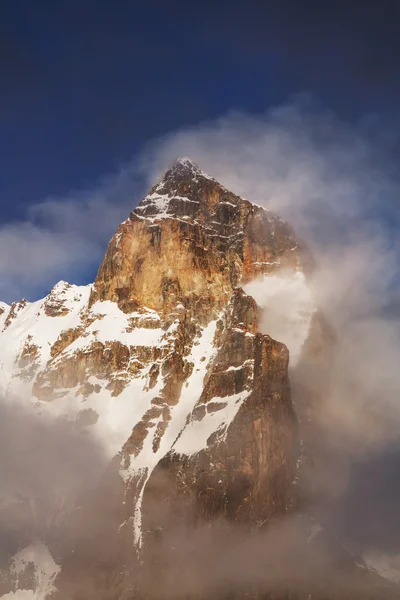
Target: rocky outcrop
<point>16,307</point>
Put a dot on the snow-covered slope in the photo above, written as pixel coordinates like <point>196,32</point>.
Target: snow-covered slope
<point>29,331</point>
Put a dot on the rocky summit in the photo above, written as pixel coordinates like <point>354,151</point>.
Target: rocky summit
<point>183,380</point>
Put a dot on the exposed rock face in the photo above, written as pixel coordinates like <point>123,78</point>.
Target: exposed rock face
<point>235,460</point>
<point>162,358</point>
<point>197,239</point>
<point>245,470</point>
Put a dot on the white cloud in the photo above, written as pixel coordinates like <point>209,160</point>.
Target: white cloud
<point>63,238</point>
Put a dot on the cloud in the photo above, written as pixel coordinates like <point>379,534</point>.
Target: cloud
<point>64,238</point>
<point>45,465</point>
<point>298,160</point>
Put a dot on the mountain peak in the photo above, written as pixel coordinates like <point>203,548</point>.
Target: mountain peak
<point>190,231</point>
<point>184,161</point>
<point>185,168</point>
<point>183,191</point>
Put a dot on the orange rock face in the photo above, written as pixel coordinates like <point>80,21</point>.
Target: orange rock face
<point>191,241</point>
<point>245,471</point>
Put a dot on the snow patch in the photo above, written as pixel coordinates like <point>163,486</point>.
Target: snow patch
<point>385,565</point>
<point>161,203</point>
<point>46,570</point>
<point>20,595</point>
<point>113,320</point>
<point>195,436</point>
<point>315,529</point>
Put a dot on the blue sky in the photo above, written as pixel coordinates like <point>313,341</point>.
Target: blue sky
<point>86,85</point>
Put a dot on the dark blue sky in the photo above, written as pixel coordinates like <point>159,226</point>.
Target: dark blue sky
<point>84,84</point>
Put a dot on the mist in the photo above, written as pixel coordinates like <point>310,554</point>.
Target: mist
<point>46,465</point>
<point>337,186</point>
